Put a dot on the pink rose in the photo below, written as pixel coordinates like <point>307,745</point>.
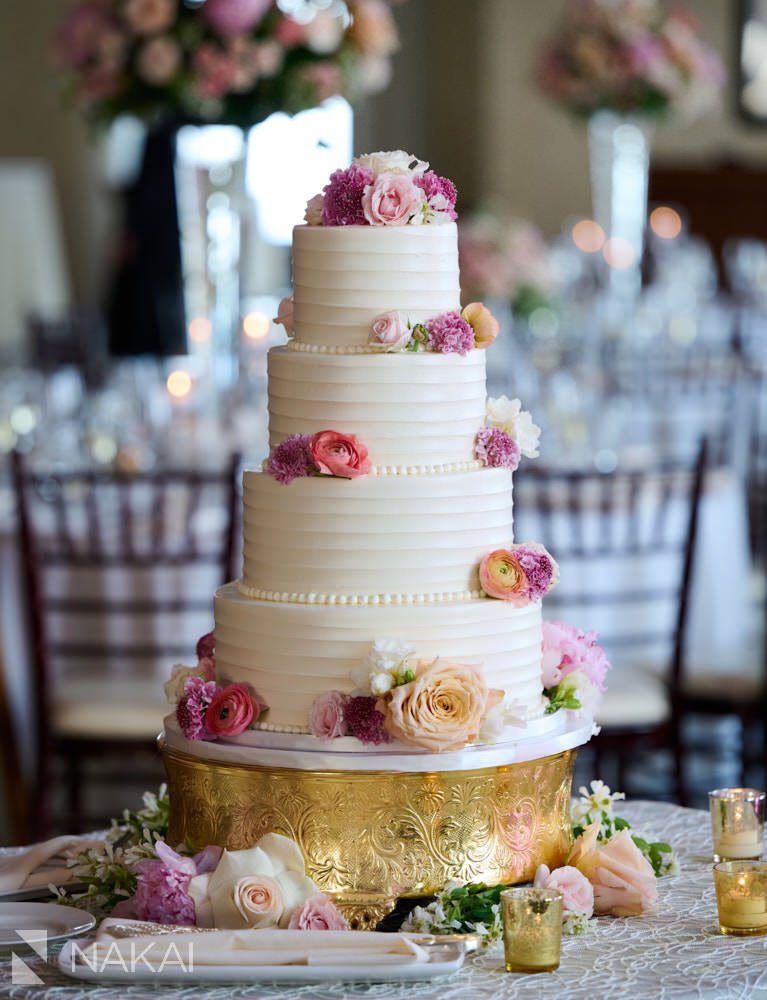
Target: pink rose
<point>390,330</point>
<point>482,322</point>
<point>623,880</point>
<point>577,891</point>
<point>285,315</point>
<point>337,454</point>
<point>391,200</point>
<point>318,913</point>
<point>234,17</point>
<point>326,716</point>
<point>146,17</point>
<point>232,710</point>
<point>158,60</point>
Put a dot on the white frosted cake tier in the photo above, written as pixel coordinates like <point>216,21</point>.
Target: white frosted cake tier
<point>345,276</point>
<point>290,653</point>
<point>409,410</point>
<point>376,535</point>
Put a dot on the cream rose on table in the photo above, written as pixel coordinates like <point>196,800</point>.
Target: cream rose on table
<point>623,879</point>
<point>392,200</point>
<point>442,708</point>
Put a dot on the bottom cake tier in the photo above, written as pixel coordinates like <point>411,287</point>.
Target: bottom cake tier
<point>371,836</point>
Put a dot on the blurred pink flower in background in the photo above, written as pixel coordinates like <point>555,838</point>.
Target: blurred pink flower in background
<point>232,17</point>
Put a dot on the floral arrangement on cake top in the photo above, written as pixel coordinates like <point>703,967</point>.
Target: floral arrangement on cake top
<point>326,453</point>
<point>574,669</point>
<point>230,61</point>
<point>610,871</point>
<point>521,574</point>
<point>435,705</point>
<point>447,333</point>
<point>508,433</point>
<point>390,188</point>
<point>631,56</point>
<point>204,709</point>
<point>137,875</point>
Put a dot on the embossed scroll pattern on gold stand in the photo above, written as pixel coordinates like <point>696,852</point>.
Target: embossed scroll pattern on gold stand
<point>371,836</point>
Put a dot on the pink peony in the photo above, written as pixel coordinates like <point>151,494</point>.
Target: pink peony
<point>577,891</point>
<point>326,716</point>
<point>496,448</point>
<point>342,205</point>
<point>147,17</point>
<point>233,709</point>
<point>390,331</point>
<point>337,454</point>
<point>234,17</point>
<point>192,708</point>
<point>291,459</point>
<point>365,721</point>
<point>567,649</point>
<point>161,888</point>
<point>482,322</point>
<point>318,913</point>
<point>392,199</point>
<point>206,645</point>
<point>623,879</point>
<point>449,333</point>
<point>207,859</point>
<point>440,193</point>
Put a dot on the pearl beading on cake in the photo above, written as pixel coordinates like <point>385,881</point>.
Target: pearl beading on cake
<point>258,594</point>
<point>298,345</point>
<point>437,469</point>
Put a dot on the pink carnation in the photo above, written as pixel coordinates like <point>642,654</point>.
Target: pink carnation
<point>439,191</point>
<point>496,448</point>
<point>449,333</point>
<point>343,197</point>
<point>365,721</point>
<point>161,889</point>
<point>567,649</point>
<point>318,913</point>
<point>291,459</point>
<point>539,568</point>
<point>192,706</point>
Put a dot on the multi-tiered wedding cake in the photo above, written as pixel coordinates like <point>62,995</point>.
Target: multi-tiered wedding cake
<point>386,628</point>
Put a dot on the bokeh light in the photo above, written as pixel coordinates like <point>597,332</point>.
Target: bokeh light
<point>179,383</point>
<point>588,236</point>
<point>200,329</point>
<point>665,222</point>
<point>619,253</point>
<point>256,325</point>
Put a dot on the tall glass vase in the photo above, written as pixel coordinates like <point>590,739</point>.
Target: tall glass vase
<point>619,154</point>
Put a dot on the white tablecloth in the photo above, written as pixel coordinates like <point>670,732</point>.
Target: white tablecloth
<point>676,952</point>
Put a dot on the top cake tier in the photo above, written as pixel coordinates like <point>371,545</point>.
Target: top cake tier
<point>346,276</point>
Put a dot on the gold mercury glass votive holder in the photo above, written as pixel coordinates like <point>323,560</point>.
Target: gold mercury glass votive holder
<point>737,823</point>
<point>532,929</point>
<point>741,897</point>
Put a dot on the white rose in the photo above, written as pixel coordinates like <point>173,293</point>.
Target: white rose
<point>385,656</point>
<point>510,417</point>
<point>242,890</point>
<point>507,712</point>
<point>381,683</point>
<point>391,161</point>
<point>313,213</point>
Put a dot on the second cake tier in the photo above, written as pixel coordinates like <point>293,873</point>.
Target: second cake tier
<point>377,539</point>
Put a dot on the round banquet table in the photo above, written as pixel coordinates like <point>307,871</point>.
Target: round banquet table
<point>676,952</point>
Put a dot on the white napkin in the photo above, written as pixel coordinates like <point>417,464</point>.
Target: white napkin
<point>255,947</point>
<point>41,863</point>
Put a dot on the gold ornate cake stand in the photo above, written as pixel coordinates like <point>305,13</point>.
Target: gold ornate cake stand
<point>371,836</point>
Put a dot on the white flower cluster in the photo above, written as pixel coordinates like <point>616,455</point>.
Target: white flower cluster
<point>508,415</point>
<point>596,806</point>
<point>385,666</point>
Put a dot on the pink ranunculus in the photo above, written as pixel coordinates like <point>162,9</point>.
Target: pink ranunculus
<point>390,331</point>
<point>233,709</point>
<point>285,312</point>
<point>623,879</point>
<point>577,891</point>
<point>234,17</point>
<point>391,200</point>
<point>318,913</point>
<point>337,454</point>
<point>567,649</point>
<point>482,322</point>
<point>326,716</point>
<point>501,576</point>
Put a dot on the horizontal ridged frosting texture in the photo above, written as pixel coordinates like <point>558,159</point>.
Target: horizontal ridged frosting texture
<point>290,653</point>
<point>374,535</point>
<point>345,276</point>
<point>407,409</point>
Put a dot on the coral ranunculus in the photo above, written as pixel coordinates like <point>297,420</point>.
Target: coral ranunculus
<point>337,454</point>
<point>391,200</point>
<point>623,879</point>
<point>482,322</point>
<point>232,710</point>
<point>501,576</point>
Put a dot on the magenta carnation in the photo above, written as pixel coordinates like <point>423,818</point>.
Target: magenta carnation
<point>291,459</point>
<point>567,649</point>
<point>343,197</point>
<point>364,720</point>
<point>206,645</point>
<point>192,706</point>
<point>539,569</point>
<point>440,192</point>
<point>496,448</point>
<point>161,888</point>
<point>449,333</point>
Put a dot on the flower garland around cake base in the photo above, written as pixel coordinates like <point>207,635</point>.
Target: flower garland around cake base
<point>326,453</point>
<point>137,875</point>
<point>508,434</point>
<point>521,574</point>
<point>611,871</point>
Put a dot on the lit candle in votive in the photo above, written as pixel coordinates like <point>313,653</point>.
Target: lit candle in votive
<point>741,897</point>
<point>737,823</point>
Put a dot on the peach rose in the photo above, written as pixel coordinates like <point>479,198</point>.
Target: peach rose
<point>313,213</point>
<point>259,900</point>
<point>482,322</point>
<point>232,710</point>
<point>147,17</point>
<point>623,880</point>
<point>391,200</point>
<point>501,576</point>
<point>390,331</point>
<point>337,454</point>
<point>318,914</point>
<point>577,891</point>
<point>285,315</point>
<point>442,709</point>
